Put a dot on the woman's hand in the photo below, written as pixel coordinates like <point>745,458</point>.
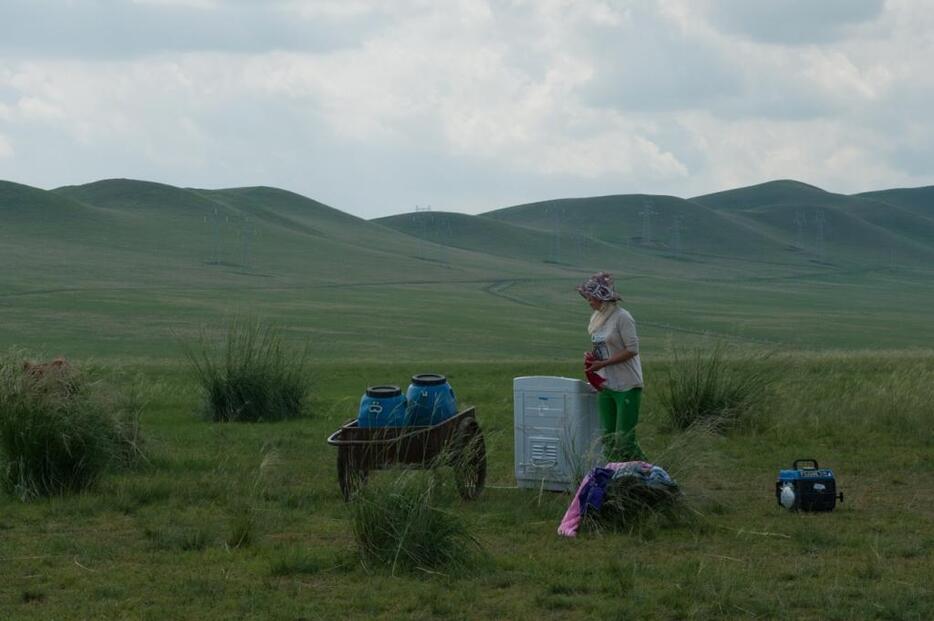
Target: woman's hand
<point>594,365</point>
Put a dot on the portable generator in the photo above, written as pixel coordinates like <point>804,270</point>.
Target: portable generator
<point>809,488</point>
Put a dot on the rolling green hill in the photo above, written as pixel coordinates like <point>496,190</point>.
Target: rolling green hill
<point>138,196</point>
<point>780,223</point>
<point>502,239</point>
<point>779,192</point>
<point>120,266</point>
<point>32,208</point>
<point>672,225</point>
<point>838,228</point>
<point>284,236</point>
<point>918,200</point>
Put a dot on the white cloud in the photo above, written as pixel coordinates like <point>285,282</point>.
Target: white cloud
<point>196,4</point>
<point>37,109</point>
<point>483,101</point>
<point>6,148</point>
<point>789,22</point>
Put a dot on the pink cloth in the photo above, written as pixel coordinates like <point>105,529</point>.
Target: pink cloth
<point>572,517</point>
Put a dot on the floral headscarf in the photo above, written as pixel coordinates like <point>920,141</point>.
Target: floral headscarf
<point>599,287</point>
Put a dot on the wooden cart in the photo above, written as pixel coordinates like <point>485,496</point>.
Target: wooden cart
<point>456,442</point>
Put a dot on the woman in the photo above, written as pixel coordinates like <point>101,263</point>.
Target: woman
<point>615,359</point>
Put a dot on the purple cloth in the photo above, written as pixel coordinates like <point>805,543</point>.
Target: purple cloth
<point>572,517</point>
<point>592,494</point>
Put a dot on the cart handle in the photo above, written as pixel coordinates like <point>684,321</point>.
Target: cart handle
<point>333,440</point>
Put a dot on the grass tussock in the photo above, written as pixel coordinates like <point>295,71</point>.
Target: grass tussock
<point>706,388</point>
<point>401,527</point>
<point>630,505</point>
<point>60,430</point>
<point>253,377</point>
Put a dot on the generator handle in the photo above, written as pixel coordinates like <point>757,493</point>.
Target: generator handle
<point>794,466</point>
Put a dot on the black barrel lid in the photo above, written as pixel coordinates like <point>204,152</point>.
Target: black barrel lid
<point>382,392</point>
<point>429,379</point>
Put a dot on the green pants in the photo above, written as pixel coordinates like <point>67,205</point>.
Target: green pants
<point>619,414</point>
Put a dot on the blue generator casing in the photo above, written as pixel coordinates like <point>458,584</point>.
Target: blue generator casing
<point>812,488</point>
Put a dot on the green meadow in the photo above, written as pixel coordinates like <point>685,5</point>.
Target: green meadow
<point>242,520</point>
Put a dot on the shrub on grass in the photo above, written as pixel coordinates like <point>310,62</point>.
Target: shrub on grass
<point>399,526</point>
<point>705,388</point>
<point>255,377</point>
<point>57,433</point>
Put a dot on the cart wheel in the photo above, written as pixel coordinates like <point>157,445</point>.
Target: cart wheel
<point>350,479</point>
<point>469,459</point>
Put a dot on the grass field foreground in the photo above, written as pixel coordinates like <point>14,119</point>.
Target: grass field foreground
<point>246,520</point>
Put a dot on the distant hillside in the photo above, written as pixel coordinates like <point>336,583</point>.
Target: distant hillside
<point>491,236</point>
<point>780,192</point>
<point>785,224</point>
<point>918,200</point>
<point>855,229</point>
<point>23,205</point>
<point>130,194</point>
<point>119,265</point>
<point>661,223</point>
<point>124,230</point>
<point>781,222</point>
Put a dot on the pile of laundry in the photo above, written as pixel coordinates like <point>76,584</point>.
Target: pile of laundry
<point>612,487</point>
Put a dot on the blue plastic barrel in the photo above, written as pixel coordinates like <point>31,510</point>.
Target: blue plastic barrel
<point>382,406</point>
<point>430,400</point>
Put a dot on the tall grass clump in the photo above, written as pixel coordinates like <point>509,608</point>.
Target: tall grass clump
<point>254,376</point>
<point>630,505</point>
<point>57,431</point>
<point>705,388</point>
<point>400,527</point>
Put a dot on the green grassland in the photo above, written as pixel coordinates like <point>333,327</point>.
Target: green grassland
<point>117,266</point>
<point>151,543</point>
<point>121,274</point>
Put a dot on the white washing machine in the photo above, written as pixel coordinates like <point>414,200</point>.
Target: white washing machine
<point>557,432</point>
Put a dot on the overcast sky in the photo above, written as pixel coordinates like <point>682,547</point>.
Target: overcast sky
<point>375,107</point>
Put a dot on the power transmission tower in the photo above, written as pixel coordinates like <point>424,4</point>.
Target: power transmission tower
<point>423,223</point>
<point>556,214</point>
<point>216,251</point>
<point>246,235</point>
<point>647,213</point>
<point>819,221</point>
<point>676,236</point>
<point>443,234</point>
<point>800,221</point>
